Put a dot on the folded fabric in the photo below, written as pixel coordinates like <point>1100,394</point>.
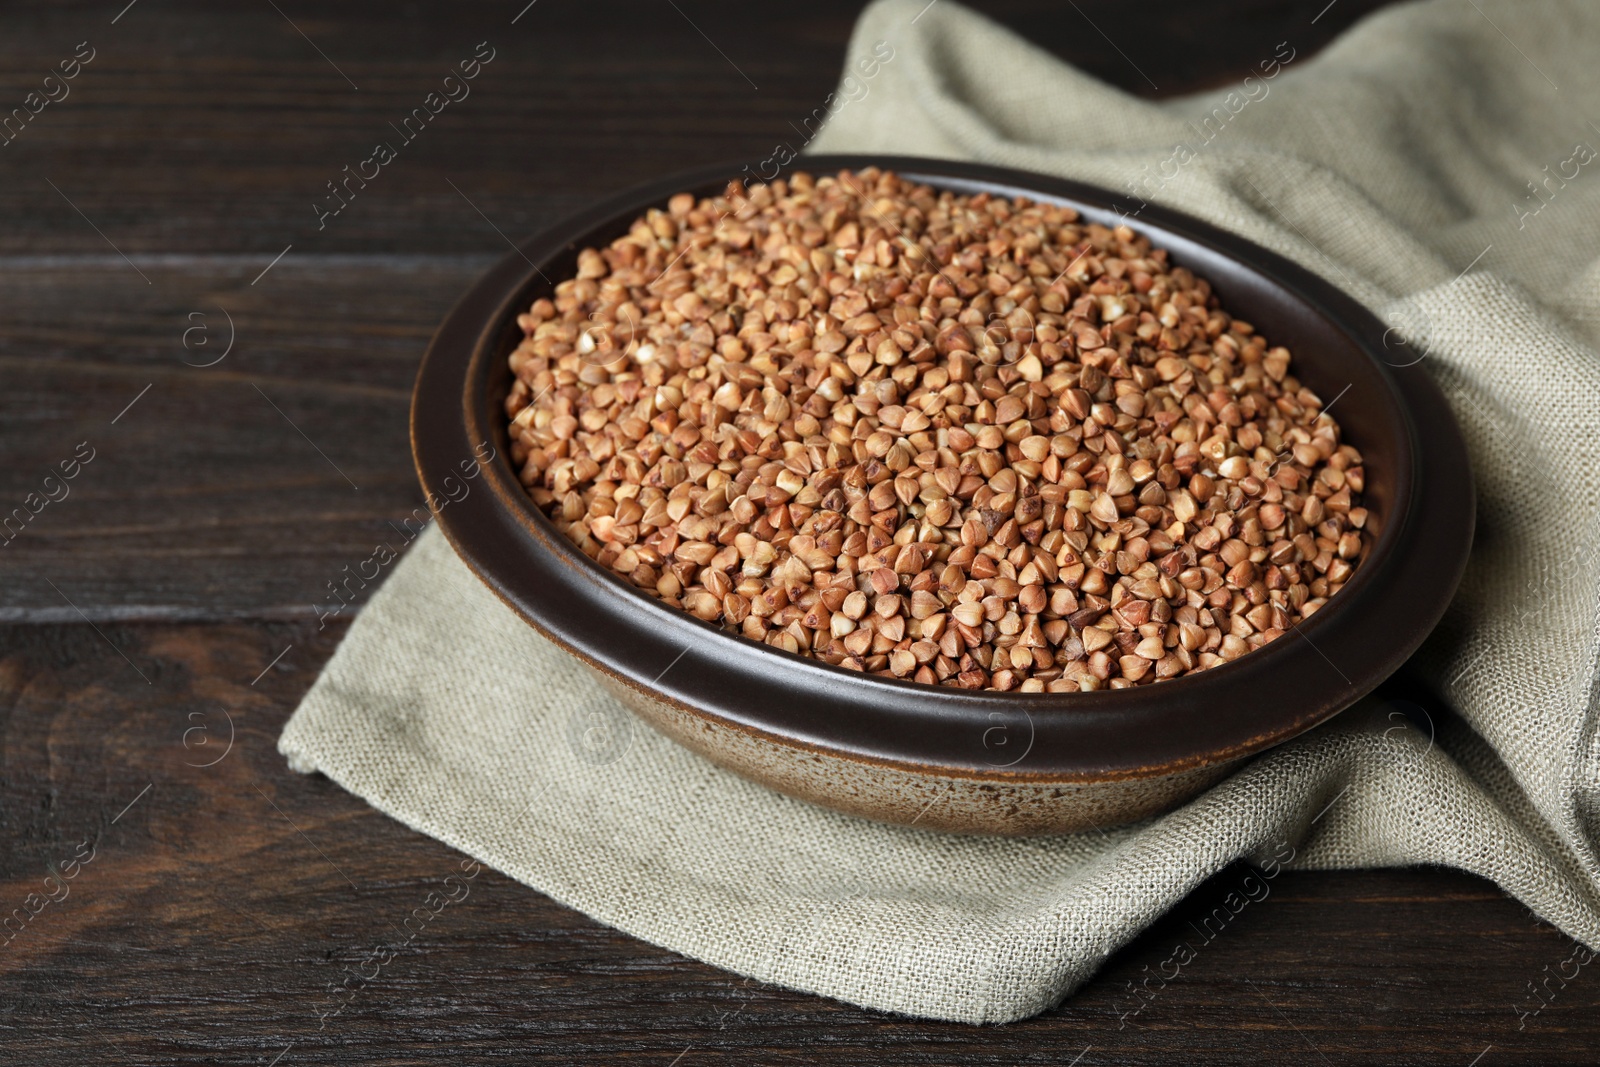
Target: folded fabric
<point>1427,163</point>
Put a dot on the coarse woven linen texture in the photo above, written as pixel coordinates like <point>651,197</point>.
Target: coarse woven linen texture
<point>1396,164</point>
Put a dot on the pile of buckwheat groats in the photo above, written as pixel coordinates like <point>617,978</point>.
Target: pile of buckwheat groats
<point>958,439</point>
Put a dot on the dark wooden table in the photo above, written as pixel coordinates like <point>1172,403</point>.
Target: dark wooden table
<point>162,211</point>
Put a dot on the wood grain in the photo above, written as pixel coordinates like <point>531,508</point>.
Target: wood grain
<point>237,489</point>
<point>221,906</point>
<point>175,589</point>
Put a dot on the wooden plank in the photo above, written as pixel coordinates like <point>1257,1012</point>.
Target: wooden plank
<point>223,901</point>
<point>240,487</point>
<point>199,128</point>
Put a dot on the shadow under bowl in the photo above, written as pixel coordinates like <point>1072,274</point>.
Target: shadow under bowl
<point>937,757</point>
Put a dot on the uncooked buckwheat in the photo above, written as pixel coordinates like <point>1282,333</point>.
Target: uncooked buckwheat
<point>958,439</point>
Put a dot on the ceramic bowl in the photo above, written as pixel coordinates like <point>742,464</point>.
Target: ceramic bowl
<point>944,758</point>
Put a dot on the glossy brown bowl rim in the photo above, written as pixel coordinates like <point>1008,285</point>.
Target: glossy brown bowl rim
<point>1368,629</point>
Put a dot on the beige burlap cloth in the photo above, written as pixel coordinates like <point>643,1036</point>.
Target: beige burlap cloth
<point>1397,163</point>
